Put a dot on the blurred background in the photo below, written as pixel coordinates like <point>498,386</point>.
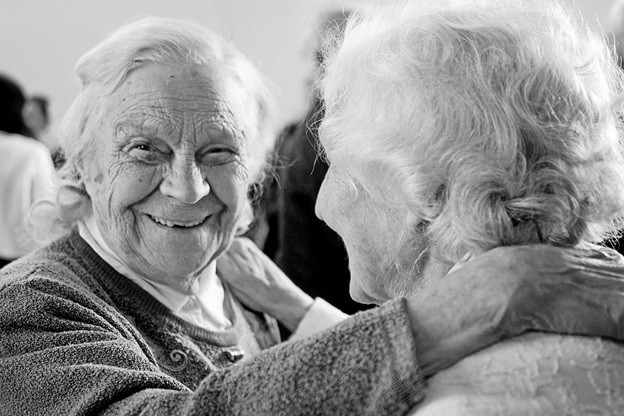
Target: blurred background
<point>41,40</point>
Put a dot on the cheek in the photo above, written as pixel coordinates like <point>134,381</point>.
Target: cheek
<point>229,187</point>
<point>132,184</point>
<point>334,207</point>
<point>121,187</point>
<point>113,192</point>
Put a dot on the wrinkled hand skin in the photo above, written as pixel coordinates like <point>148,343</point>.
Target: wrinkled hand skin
<point>261,285</point>
<point>511,290</point>
<point>575,292</point>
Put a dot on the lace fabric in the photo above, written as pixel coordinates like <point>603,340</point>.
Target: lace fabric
<point>535,374</point>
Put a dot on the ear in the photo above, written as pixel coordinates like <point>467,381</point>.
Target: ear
<point>74,203</point>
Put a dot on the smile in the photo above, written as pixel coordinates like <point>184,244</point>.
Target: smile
<point>178,224</point>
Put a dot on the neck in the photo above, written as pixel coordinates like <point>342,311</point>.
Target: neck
<point>435,268</point>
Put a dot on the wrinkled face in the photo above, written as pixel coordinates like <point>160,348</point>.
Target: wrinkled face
<point>381,267</point>
<point>167,175</point>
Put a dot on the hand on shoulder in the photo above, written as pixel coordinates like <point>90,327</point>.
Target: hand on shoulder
<point>510,290</point>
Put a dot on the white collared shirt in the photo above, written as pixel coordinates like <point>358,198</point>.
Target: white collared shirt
<point>207,304</point>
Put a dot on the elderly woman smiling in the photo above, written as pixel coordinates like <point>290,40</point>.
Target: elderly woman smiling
<point>126,314</point>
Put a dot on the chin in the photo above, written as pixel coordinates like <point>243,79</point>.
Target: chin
<point>362,293</point>
<point>182,265</point>
<point>361,296</point>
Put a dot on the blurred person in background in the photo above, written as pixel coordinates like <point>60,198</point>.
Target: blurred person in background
<point>26,172</point>
<point>310,252</point>
<point>615,26</point>
<point>36,116</point>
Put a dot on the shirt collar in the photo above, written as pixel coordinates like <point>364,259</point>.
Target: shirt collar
<point>204,305</point>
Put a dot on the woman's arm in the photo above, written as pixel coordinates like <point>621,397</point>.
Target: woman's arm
<point>60,356</point>
<point>261,285</point>
<point>497,295</point>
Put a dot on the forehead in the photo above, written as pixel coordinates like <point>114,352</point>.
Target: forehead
<point>172,96</point>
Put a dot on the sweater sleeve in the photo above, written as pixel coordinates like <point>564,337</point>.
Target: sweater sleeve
<point>62,355</point>
<point>320,316</point>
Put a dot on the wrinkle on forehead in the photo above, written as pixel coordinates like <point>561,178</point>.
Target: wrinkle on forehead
<point>191,112</point>
<point>174,117</point>
<point>174,96</point>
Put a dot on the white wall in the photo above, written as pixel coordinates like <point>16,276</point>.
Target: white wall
<point>41,40</point>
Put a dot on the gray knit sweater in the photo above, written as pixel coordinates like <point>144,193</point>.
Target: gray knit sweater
<point>77,338</point>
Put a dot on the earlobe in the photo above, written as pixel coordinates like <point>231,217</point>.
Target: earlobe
<point>73,202</point>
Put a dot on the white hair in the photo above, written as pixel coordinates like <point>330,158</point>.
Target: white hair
<point>163,41</point>
<point>488,122</point>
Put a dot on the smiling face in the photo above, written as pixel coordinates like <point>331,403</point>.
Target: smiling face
<point>167,176</point>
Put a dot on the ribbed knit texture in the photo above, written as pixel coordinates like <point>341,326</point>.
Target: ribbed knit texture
<point>77,338</point>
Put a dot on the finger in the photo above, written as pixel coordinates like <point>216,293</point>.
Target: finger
<point>243,297</point>
<point>237,246</point>
<point>228,268</point>
<point>243,271</point>
<point>250,254</point>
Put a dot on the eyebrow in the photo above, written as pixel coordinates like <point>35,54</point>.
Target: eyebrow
<point>135,124</point>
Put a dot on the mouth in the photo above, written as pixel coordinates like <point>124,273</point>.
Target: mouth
<point>177,223</point>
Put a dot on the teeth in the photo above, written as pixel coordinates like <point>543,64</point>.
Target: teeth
<point>168,223</point>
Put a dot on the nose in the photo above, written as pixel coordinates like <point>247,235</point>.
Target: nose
<point>321,200</point>
<point>185,182</point>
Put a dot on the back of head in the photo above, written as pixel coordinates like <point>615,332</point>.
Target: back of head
<point>491,122</point>
<point>35,115</point>
<point>329,31</point>
<point>11,104</point>
<point>42,104</point>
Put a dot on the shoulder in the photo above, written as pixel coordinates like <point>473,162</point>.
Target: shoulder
<point>52,269</point>
<point>22,144</point>
<point>24,152</point>
<point>534,371</point>
<point>52,288</point>
<point>606,253</point>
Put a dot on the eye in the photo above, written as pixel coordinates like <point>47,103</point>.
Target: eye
<point>144,151</point>
<point>218,156</point>
<point>142,147</point>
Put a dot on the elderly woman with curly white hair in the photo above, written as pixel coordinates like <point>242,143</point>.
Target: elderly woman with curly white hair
<point>127,314</point>
<point>478,124</point>
<point>452,128</point>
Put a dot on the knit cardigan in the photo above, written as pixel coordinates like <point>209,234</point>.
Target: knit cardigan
<point>77,338</point>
